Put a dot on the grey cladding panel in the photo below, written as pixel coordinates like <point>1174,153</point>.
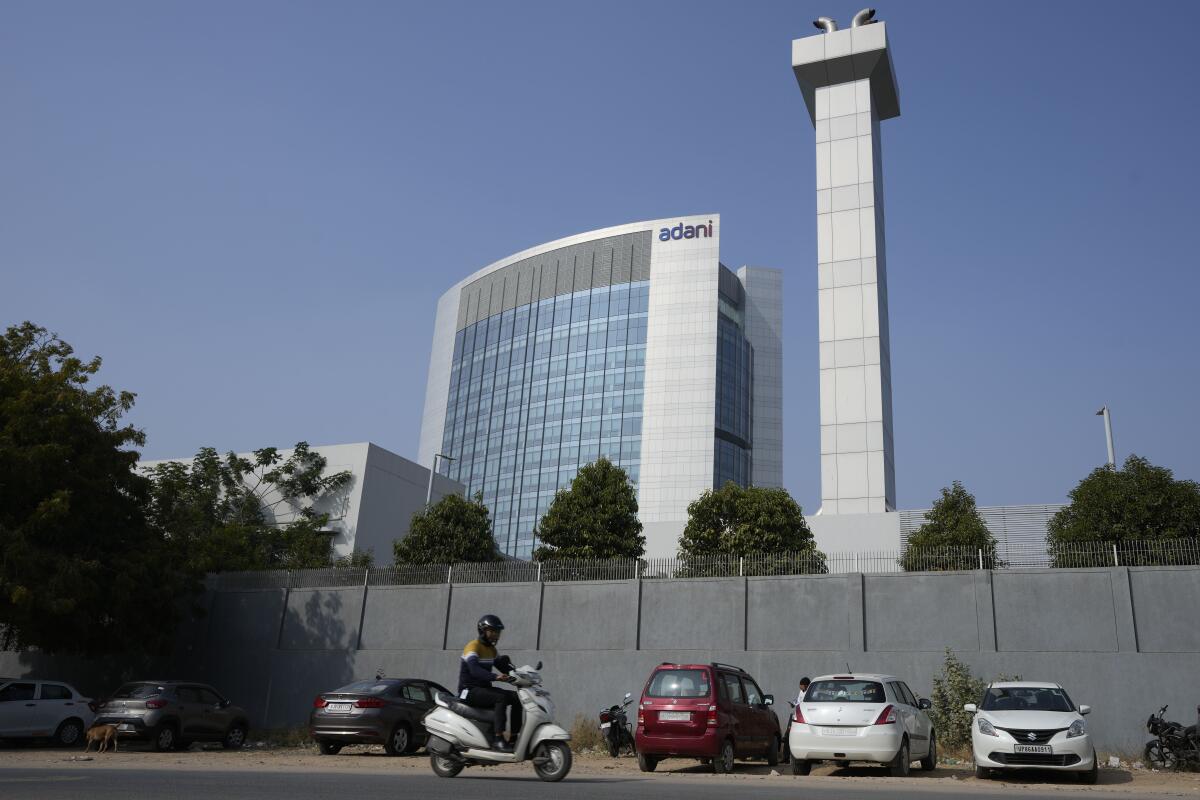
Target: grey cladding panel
<point>1060,610</point>
<point>602,262</point>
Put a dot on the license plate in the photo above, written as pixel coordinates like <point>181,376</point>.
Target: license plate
<point>605,726</point>
<point>839,731</point>
<point>125,726</point>
<point>1044,749</point>
<point>675,716</point>
<point>339,707</point>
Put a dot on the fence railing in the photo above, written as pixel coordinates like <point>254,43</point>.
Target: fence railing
<point>1171,552</point>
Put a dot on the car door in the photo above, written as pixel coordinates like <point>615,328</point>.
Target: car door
<point>741,725</point>
<point>54,704</point>
<point>216,715</point>
<point>757,712</point>
<point>417,700</point>
<point>18,708</point>
<point>923,724</point>
<point>191,716</point>
<point>918,735</point>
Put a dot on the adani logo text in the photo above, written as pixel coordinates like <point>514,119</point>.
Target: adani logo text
<point>682,231</point>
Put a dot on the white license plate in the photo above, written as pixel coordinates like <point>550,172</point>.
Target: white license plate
<point>675,716</point>
<point>605,726</point>
<point>124,726</point>
<point>1044,749</point>
<point>339,707</point>
<point>839,731</point>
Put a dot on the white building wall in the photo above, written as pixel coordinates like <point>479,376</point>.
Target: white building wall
<point>764,329</point>
<point>679,413</point>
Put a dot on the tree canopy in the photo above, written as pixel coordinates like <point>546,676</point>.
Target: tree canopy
<point>226,513</point>
<point>747,521</point>
<point>596,517</point>
<point>450,531</point>
<point>952,536</point>
<point>81,570</point>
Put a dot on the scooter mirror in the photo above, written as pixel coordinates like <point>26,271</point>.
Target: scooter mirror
<point>539,666</point>
<point>628,695</point>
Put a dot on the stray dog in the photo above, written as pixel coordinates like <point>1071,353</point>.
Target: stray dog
<point>102,734</point>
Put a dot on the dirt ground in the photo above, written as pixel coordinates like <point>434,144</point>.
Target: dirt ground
<point>953,778</point>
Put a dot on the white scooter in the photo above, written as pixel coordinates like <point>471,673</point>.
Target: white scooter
<point>459,735</point>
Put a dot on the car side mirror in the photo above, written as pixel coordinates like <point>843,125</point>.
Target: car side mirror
<point>970,707</point>
<point>224,704</point>
<point>1085,709</point>
<point>769,700</point>
<point>924,704</point>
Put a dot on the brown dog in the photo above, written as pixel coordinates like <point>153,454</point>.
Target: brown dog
<point>102,734</point>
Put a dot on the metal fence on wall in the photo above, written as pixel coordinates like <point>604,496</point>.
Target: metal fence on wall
<point>1171,552</point>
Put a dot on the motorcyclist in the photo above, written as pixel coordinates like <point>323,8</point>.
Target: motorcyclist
<point>475,677</point>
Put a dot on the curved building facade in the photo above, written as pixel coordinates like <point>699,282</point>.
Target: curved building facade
<point>633,343</point>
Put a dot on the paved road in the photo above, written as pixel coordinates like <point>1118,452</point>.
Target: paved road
<point>118,784</point>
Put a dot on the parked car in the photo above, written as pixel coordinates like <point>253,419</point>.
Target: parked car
<point>873,718</point>
<point>713,712</point>
<point>1031,725</point>
<point>35,709</point>
<point>173,714</point>
<point>385,711</point>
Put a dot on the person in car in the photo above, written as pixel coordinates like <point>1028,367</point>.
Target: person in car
<point>475,677</point>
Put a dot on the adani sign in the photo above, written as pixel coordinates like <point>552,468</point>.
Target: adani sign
<point>682,231</point>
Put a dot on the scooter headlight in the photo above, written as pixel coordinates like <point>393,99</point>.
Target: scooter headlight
<point>1078,728</point>
<point>986,728</point>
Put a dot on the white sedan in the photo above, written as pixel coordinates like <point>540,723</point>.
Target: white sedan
<point>874,718</point>
<point>31,709</point>
<point>1030,725</point>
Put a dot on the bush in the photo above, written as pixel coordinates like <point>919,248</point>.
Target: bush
<point>586,734</point>
<point>953,688</point>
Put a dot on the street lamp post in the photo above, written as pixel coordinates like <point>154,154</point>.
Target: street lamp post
<point>432,471</point>
<point>1103,412</point>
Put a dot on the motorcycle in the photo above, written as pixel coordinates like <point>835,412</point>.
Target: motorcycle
<point>617,731</point>
<point>1175,747</point>
<point>460,735</point>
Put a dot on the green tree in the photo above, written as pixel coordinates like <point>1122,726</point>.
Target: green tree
<point>953,687</point>
<point>450,531</point>
<point>233,513</point>
<point>760,523</point>
<point>1139,502</point>
<point>595,518</point>
<point>81,571</point>
<point>952,537</point>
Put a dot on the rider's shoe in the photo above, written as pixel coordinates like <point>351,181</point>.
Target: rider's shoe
<point>501,745</point>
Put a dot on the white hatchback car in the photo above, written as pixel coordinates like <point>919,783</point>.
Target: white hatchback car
<point>33,709</point>
<point>1031,725</point>
<point>874,718</point>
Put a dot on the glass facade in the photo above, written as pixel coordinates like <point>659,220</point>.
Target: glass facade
<point>538,391</point>
<point>735,375</point>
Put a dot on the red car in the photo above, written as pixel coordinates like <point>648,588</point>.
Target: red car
<point>713,712</point>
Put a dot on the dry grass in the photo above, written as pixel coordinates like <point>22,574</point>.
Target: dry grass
<point>586,735</point>
<point>280,737</point>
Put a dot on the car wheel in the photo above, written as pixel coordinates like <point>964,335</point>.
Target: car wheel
<point>165,738</point>
<point>929,762</point>
<point>235,737</point>
<point>444,766</point>
<point>773,752</point>
<point>900,764</point>
<point>801,766</point>
<point>68,733</point>
<point>330,748</point>
<point>552,761</point>
<point>1092,775</point>
<point>982,773</point>
<point>399,742</point>
<point>723,763</point>
<point>646,763</point>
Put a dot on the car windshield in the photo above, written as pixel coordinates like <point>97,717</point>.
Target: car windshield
<point>679,683</point>
<point>137,691</point>
<point>366,687</point>
<point>844,691</point>
<point>1026,698</point>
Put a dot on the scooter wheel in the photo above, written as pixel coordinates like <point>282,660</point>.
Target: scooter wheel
<point>552,761</point>
<point>443,766</point>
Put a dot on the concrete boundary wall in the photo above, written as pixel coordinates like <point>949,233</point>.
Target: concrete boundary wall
<point>1124,640</point>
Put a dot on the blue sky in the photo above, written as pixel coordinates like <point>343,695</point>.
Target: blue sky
<point>250,209</point>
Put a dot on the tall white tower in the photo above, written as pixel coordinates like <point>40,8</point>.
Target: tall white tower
<point>849,86</point>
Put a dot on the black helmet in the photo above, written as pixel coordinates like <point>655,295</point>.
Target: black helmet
<point>489,621</point>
